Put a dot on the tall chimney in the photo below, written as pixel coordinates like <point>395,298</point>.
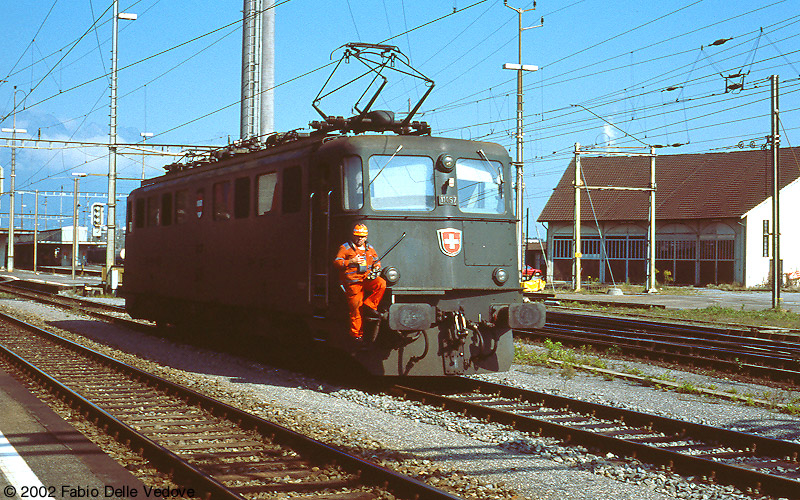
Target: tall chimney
<point>258,68</point>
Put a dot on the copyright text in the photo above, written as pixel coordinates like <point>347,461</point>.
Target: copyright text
<point>92,492</point>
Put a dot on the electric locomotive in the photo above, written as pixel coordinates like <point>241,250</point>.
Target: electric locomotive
<point>251,233</point>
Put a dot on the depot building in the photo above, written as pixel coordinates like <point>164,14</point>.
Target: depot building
<point>713,218</point>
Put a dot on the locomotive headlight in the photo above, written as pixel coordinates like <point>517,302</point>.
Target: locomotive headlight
<point>446,162</point>
<point>500,275</point>
<point>391,275</point>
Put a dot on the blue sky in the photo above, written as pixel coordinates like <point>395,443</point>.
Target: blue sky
<point>643,72</point>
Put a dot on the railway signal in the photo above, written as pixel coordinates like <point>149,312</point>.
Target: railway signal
<point>97,215</point>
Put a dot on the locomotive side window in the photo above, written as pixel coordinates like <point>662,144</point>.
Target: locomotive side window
<point>266,192</point>
<point>241,197</point>
<point>181,202</point>
<point>222,200</point>
<point>153,208</point>
<point>198,202</point>
<point>353,183</point>
<point>129,215</point>
<point>401,183</point>
<point>139,215</point>
<point>292,192</point>
<point>166,209</point>
<point>480,186</point>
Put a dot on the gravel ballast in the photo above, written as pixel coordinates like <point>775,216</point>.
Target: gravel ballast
<point>484,460</point>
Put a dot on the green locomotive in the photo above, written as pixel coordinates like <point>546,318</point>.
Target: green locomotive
<point>250,233</point>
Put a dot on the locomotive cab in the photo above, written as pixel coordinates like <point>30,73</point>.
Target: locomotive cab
<point>445,209</point>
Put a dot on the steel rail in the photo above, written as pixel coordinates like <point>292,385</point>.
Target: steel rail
<point>89,307</point>
<point>745,363</point>
<point>746,336</point>
<point>732,366</point>
<point>369,472</point>
<point>34,293</point>
<point>683,345</point>
<point>181,471</point>
<point>683,463</point>
<point>733,350</point>
<point>678,324</point>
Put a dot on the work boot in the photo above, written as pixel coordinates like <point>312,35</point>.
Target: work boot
<point>369,313</point>
<point>370,327</point>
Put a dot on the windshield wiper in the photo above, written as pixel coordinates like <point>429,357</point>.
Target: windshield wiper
<point>386,164</point>
<point>499,171</point>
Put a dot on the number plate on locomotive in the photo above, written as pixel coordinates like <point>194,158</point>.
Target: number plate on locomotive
<point>448,200</point>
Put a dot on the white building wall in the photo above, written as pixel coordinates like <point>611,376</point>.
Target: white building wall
<point>756,266</point>
<point>67,234</point>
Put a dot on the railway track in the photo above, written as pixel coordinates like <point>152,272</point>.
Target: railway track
<point>765,354</point>
<point>100,310</point>
<point>770,354</point>
<point>751,463</point>
<point>216,450</point>
<point>748,462</point>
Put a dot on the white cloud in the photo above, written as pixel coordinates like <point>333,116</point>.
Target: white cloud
<point>610,134</point>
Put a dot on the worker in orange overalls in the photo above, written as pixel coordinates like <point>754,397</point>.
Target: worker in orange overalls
<point>355,259</point>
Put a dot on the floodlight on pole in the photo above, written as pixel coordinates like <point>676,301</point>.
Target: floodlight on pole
<point>519,68</point>
<point>112,140</point>
<point>523,67</point>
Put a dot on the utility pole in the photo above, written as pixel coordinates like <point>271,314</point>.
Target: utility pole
<point>75,246</point>
<point>776,188</point>
<point>651,247</point>
<point>36,232</point>
<point>14,130</point>
<point>112,157</point>
<point>576,228</point>
<point>112,143</point>
<point>144,136</point>
<point>519,67</point>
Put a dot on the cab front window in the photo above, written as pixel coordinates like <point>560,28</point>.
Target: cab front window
<point>401,183</point>
<point>353,186</point>
<point>480,186</point>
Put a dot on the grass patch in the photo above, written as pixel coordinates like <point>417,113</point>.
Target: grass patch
<point>667,377</point>
<point>525,356</point>
<point>791,409</point>
<point>633,371</point>
<point>556,351</point>
<point>688,388</point>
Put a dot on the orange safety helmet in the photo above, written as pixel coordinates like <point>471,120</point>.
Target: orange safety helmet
<point>360,230</point>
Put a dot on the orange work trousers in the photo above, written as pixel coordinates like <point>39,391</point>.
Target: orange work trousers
<point>367,292</point>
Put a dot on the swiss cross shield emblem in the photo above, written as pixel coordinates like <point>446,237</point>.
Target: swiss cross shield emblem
<point>449,241</point>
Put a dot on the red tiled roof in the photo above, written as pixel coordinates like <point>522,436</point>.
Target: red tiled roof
<point>689,186</point>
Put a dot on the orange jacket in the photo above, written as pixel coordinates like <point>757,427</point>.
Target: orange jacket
<point>348,273</point>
